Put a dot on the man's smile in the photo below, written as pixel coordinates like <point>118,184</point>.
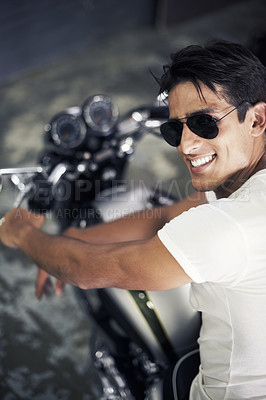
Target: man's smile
<point>199,162</point>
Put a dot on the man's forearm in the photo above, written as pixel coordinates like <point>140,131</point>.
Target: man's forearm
<point>140,264</point>
<point>90,265</point>
<point>141,225</point>
<point>107,255</point>
<point>68,259</point>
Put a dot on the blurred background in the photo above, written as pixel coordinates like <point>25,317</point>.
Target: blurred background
<point>53,56</point>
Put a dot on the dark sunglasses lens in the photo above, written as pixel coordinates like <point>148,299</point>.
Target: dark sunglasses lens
<point>171,132</point>
<point>203,125</point>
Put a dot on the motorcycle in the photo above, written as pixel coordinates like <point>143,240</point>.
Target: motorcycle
<point>143,344</point>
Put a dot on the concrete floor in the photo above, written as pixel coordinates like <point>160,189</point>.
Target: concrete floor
<point>43,346</point>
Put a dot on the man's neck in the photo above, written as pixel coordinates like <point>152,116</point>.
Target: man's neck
<point>237,180</point>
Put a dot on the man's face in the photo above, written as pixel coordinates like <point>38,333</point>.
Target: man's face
<point>214,164</point>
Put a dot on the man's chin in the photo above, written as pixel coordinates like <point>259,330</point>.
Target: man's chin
<point>204,186</point>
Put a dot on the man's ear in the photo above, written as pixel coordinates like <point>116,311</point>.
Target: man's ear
<point>259,119</point>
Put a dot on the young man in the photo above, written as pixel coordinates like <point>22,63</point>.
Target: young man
<point>215,239</point>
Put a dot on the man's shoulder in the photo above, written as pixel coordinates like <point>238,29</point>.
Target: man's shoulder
<point>251,189</point>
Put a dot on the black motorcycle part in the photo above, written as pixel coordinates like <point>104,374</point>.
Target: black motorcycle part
<point>161,112</point>
<point>179,377</point>
<point>40,198</point>
<point>101,115</point>
<point>124,338</point>
<point>141,298</point>
<point>67,130</point>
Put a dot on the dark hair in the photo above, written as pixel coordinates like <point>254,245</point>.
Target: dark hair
<point>232,67</point>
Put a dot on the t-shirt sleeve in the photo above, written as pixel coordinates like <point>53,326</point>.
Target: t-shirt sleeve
<point>208,244</point>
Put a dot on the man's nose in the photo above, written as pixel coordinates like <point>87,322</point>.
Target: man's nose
<point>189,141</point>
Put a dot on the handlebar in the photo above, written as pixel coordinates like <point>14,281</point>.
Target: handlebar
<point>93,164</point>
<point>20,170</point>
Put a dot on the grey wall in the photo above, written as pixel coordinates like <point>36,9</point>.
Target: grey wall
<point>169,12</point>
<point>36,32</point>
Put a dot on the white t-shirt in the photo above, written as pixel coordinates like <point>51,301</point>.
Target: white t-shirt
<point>222,247</point>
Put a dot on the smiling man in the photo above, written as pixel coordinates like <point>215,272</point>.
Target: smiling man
<point>215,239</point>
<point>222,164</point>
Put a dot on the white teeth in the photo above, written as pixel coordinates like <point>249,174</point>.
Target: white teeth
<point>201,161</point>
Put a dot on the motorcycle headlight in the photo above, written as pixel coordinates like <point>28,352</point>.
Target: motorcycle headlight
<point>100,114</point>
<point>67,129</point>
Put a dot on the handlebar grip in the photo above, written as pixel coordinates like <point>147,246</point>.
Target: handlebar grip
<point>40,198</point>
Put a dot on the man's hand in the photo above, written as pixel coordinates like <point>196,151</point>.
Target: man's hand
<point>44,285</point>
<point>15,223</point>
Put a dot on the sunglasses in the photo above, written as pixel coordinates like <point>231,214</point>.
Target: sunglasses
<point>202,124</point>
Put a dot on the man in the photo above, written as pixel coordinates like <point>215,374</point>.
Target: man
<point>217,104</point>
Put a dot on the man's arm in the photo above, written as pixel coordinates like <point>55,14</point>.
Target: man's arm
<point>144,264</point>
<point>141,225</point>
